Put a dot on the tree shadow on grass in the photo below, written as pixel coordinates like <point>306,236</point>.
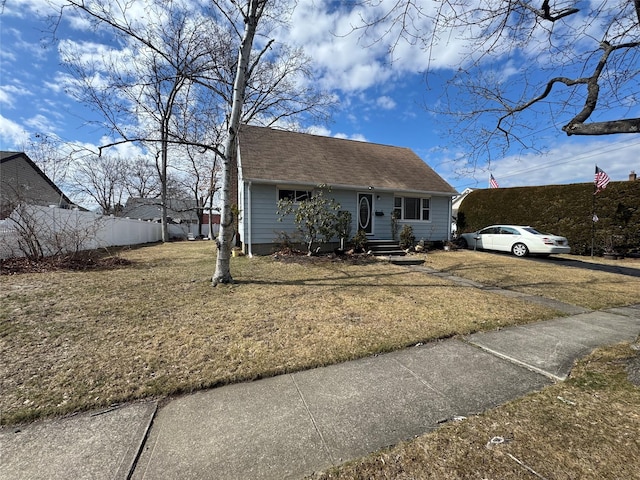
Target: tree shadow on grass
<point>596,267</point>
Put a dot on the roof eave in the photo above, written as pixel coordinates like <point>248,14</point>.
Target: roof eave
<point>371,188</point>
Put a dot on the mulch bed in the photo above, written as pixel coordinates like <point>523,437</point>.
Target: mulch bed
<point>297,256</point>
<point>81,261</point>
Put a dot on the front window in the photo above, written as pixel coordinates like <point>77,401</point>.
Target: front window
<point>294,195</point>
<point>426,209</point>
<point>412,208</point>
<point>397,207</point>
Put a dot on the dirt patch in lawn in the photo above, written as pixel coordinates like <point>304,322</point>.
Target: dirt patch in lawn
<point>89,260</point>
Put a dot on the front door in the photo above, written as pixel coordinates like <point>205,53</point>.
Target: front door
<point>365,212</point>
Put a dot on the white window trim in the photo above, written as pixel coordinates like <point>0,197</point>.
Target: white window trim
<point>422,209</point>
<point>294,189</point>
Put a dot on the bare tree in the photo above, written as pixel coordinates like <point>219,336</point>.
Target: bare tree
<point>251,13</point>
<point>101,180</point>
<point>573,64</point>
<point>48,153</point>
<point>223,28</point>
<point>141,179</point>
<point>149,77</point>
<point>197,177</point>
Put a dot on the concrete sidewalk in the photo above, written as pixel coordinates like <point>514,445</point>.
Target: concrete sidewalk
<point>98,445</point>
<point>292,425</point>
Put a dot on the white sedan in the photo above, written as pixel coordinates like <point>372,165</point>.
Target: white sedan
<point>519,240</point>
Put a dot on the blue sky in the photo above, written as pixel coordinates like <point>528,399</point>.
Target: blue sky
<point>381,101</point>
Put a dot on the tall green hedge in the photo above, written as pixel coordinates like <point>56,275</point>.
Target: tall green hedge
<point>565,210</point>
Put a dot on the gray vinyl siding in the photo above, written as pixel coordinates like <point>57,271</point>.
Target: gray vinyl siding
<point>264,218</point>
<point>265,224</point>
<point>439,224</point>
<point>266,227</point>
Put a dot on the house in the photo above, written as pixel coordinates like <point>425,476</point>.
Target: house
<point>183,215</point>
<point>178,210</point>
<point>22,181</point>
<point>455,206</point>
<point>369,180</point>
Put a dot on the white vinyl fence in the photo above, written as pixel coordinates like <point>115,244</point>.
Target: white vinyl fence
<point>58,230</point>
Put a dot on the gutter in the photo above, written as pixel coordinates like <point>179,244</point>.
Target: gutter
<point>246,186</point>
<point>450,218</point>
<point>353,187</point>
<point>249,216</point>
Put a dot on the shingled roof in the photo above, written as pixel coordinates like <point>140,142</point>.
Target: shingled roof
<point>278,156</point>
<point>6,157</point>
<point>22,180</point>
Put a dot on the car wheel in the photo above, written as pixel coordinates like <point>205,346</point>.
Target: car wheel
<point>462,243</point>
<point>520,250</point>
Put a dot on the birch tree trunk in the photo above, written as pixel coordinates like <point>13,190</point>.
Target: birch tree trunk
<point>229,163</point>
<point>163,187</point>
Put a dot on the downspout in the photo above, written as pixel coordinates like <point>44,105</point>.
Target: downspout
<point>249,249</point>
<point>450,219</point>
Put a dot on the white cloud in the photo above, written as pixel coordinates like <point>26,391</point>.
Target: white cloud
<point>40,123</point>
<point>18,44</point>
<point>356,136</point>
<point>318,130</point>
<point>344,60</point>
<point>326,132</point>
<point>9,94</point>
<point>7,56</point>
<point>5,98</point>
<point>29,8</point>
<point>12,134</point>
<point>386,103</point>
<point>85,52</point>
<point>126,150</point>
<point>575,161</point>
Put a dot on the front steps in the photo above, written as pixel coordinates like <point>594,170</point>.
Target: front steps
<point>391,251</point>
<point>385,248</point>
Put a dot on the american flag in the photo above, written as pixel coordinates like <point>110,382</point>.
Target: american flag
<point>493,183</point>
<point>601,180</point>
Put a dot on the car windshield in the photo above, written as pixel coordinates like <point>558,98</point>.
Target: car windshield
<point>532,230</point>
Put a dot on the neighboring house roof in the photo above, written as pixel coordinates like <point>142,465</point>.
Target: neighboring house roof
<point>282,157</point>
<point>455,205</point>
<point>22,180</point>
<point>178,210</point>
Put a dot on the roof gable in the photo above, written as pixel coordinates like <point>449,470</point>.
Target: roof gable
<point>279,156</point>
<point>20,176</point>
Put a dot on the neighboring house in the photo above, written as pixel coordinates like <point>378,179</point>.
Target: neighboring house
<point>178,210</point>
<point>455,206</point>
<point>369,180</point>
<point>182,214</point>
<point>21,181</point>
